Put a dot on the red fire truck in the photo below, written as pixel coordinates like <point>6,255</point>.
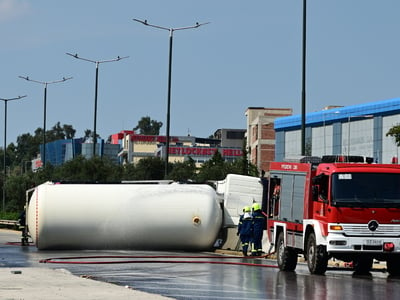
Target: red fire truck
<point>346,208</point>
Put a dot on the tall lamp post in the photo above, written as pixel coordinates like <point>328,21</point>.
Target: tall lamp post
<point>5,100</point>
<point>45,84</point>
<point>303,88</point>
<point>97,63</point>
<point>171,33</point>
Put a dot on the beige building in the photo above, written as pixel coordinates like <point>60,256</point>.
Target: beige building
<point>135,147</point>
<point>261,134</point>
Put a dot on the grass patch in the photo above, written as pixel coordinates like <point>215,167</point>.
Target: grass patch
<point>9,215</point>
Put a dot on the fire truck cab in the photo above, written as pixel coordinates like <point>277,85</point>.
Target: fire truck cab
<point>336,207</point>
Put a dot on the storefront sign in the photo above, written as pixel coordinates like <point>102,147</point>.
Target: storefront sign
<point>197,151</point>
<point>152,138</point>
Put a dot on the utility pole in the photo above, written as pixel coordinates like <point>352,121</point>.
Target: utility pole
<point>303,89</point>
<point>5,100</point>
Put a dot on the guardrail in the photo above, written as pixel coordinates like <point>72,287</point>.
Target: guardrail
<point>9,222</point>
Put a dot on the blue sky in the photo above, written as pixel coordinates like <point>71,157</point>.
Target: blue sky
<point>248,56</point>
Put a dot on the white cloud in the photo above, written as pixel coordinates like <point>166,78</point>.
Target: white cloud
<point>11,9</point>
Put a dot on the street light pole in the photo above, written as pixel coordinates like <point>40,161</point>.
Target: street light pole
<point>5,144</point>
<point>171,33</point>
<point>97,63</point>
<point>303,88</point>
<point>45,84</point>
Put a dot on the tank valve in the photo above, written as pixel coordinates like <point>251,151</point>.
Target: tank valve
<point>196,221</point>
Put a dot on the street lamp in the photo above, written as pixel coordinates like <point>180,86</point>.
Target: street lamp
<point>45,84</point>
<point>96,62</point>
<point>171,33</point>
<point>303,87</point>
<point>5,145</point>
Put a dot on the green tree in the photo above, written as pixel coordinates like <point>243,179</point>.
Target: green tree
<point>95,169</point>
<point>11,157</point>
<point>129,171</point>
<point>213,169</point>
<point>69,131</point>
<point>56,133</point>
<point>395,132</point>
<point>242,167</point>
<point>148,126</point>
<point>150,168</point>
<point>78,169</point>
<point>16,187</point>
<point>27,147</point>
<point>183,171</point>
<point>89,135</point>
<point>59,132</point>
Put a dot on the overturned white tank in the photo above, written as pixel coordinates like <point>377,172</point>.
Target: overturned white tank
<point>124,216</point>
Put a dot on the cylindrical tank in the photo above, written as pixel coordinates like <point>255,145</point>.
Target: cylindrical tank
<point>124,216</point>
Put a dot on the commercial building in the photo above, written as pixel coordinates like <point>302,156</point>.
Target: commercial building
<point>260,137</point>
<point>351,130</point>
<point>129,147</point>
<point>135,147</point>
<point>271,134</point>
<point>231,137</point>
<point>60,151</point>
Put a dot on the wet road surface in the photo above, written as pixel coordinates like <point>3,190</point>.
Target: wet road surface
<point>187,275</point>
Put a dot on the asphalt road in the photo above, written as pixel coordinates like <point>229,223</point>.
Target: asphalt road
<point>188,275</point>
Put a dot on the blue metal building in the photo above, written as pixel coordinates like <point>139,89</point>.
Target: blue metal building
<point>351,130</point>
<point>60,151</point>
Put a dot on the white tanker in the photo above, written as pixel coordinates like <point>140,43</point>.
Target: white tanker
<point>124,216</point>
<point>138,215</point>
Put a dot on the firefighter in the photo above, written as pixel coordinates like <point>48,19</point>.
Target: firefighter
<point>258,229</point>
<point>22,227</point>
<point>245,227</point>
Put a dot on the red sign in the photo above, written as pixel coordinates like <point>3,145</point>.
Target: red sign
<point>232,152</point>
<point>151,138</point>
<point>197,151</point>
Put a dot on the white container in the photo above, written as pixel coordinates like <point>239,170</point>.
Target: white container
<point>237,192</point>
<point>124,216</point>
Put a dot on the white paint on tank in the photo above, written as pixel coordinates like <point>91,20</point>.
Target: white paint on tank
<point>124,216</point>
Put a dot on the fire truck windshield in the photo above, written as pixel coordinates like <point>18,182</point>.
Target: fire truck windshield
<point>366,189</point>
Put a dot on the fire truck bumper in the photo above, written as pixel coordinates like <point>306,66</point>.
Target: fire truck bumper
<point>342,243</point>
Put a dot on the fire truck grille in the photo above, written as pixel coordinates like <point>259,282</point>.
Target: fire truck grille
<point>362,229</point>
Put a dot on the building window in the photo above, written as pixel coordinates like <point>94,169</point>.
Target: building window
<point>235,135</point>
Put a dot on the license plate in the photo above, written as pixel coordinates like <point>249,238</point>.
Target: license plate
<point>373,242</point>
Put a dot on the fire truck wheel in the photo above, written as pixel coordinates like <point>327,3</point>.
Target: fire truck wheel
<point>317,258</point>
<point>393,266</point>
<point>286,256</point>
<point>363,265</point>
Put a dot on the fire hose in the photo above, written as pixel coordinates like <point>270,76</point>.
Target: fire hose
<point>137,259</point>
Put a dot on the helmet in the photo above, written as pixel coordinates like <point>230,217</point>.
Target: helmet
<point>256,206</point>
<point>246,209</point>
